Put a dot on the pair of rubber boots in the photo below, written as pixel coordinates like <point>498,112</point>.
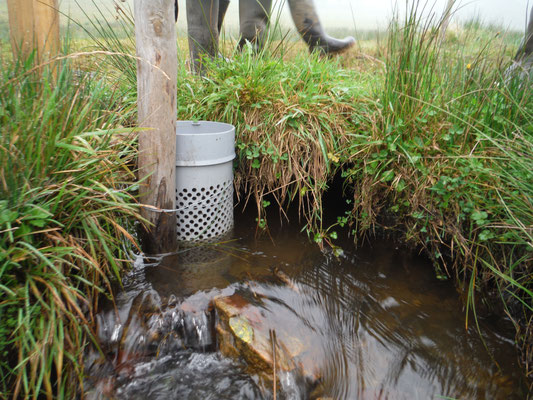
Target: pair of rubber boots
<point>205,18</point>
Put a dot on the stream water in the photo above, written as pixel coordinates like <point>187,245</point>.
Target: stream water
<point>374,323</point>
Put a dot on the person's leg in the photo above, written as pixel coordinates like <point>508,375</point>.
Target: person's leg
<point>308,24</point>
<point>222,8</point>
<point>202,26</point>
<point>253,18</point>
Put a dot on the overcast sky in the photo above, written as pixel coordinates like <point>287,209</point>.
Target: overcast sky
<point>509,13</point>
<point>368,14</point>
<point>363,14</point>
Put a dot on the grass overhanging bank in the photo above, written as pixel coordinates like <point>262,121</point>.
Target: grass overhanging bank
<point>437,140</point>
<point>451,161</point>
<point>65,201</point>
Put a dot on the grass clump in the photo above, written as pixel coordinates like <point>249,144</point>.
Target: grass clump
<point>64,199</point>
<point>290,118</point>
<point>450,160</point>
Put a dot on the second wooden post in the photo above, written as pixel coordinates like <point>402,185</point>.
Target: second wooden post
<point>34,25</point>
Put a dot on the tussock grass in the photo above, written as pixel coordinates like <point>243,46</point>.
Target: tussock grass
<point>290,120</point>
<point>64,202</point>
<point>116,36</point>
<point>450,159</point>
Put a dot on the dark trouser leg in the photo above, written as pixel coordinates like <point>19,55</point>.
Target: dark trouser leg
<point>308,24</point>
<point>253,20</point>
<point>202,26</point>
<point>523,61</point>
<point>222,8</point>
<point>526,48</point>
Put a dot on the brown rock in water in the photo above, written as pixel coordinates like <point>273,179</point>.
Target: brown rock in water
<point>243,331</point>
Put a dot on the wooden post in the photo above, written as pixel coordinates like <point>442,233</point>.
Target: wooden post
<point>34,24</point>
<point>157,66</point>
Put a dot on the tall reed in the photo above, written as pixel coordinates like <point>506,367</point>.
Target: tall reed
<point>65,200</point>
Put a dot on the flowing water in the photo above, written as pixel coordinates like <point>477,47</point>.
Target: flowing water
<point>372,323</point>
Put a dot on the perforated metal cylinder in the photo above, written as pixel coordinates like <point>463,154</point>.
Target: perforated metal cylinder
<point>204,180</point>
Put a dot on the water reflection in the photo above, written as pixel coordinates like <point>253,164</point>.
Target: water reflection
<point>372,324</point>
<point>393,331</point>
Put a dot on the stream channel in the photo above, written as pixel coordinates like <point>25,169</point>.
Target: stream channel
<point>372,323</point>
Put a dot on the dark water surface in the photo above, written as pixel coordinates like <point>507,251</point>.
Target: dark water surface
<point>374,323</point>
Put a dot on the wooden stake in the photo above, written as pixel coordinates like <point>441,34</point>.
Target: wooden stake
<point>157,66</point>
<point>46,20</point>
<point>34,25</point>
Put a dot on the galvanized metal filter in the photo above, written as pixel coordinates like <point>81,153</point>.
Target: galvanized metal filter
<point>204,179</point>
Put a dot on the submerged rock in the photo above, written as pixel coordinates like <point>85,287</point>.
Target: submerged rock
<point>247,331</point>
